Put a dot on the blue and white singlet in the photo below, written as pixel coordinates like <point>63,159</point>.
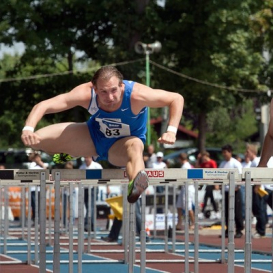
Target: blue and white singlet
<point>107,127</point>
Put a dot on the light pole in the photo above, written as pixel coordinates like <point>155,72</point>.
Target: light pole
<point>148,49</point>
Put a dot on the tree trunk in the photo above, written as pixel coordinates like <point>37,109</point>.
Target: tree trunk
<point>76,114</point>
<point>140,9</point>
<point>202,132</point>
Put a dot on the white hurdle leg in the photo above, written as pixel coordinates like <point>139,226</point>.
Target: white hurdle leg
<point>95,211</point>
<point>166,218</point>
<point>89,217</point>
<point>6,219</point>
<point>155,212</point>
<point>248,213</point>
<point>56,256</point>
<point>80,227</point>
<point>272,240</point>
<point>223,259</point>
<point>186,188</point>
<point>143,235</point>
<point>50,215</point>
<point>1,207</point>
<point>125,223</point>
<point>231,244</point>
<point>71,218</point>
<point>174,218</point>
<point>196,229</point>
<point>29,228</point>
<point>42,261</point>
<point>23,211</point>
<point>132,238</point>
<point>37,216</point>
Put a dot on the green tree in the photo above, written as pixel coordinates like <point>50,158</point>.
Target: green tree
<point>216,45</point>
<point>231,126</point>
<point>213,41</point>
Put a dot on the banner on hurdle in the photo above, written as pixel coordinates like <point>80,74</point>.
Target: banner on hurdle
<point>118,176</point>
<point>103,176</point>
<point>22,175</point>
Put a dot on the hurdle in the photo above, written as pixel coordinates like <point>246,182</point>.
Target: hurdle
<point>170,177</point>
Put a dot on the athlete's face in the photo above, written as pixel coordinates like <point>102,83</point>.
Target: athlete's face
<point>109,93</point>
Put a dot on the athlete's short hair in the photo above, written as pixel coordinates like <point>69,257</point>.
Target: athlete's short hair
<point>105,73</point>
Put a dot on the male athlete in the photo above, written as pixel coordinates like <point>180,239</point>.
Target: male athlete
<point>115,131</point>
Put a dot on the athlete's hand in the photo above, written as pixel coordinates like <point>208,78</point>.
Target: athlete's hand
<point>30,138</point>
<point>167,138</point>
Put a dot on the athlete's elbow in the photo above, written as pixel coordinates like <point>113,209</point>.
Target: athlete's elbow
<point>180,99</point>
<point>42,107</point>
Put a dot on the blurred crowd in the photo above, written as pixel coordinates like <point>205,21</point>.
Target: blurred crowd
<point>261,195</point>
<point>208,206</point>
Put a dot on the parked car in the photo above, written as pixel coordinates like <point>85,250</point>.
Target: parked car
<point>174,162</point>
<point>18,158</point>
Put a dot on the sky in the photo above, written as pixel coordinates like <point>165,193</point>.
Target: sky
<point>16,48</point>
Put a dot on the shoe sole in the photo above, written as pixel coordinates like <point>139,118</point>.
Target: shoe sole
<point>140,185</point>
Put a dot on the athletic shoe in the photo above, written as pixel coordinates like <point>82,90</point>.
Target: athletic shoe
<point>201,216</point>
<point>137,186</point>
<point>148,239</point>
<point>218,215</point>
<point>257,236</point>
<point>62,158</point>
<point>238,235</point>
<point>109,240</point>
<point>212,215</point>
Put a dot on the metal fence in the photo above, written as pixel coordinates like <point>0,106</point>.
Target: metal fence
<point>49,232</point>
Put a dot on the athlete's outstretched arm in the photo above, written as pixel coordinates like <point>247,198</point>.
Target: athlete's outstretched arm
<point>79,96</point>
<point>267,150</point>
<point>144,96</point>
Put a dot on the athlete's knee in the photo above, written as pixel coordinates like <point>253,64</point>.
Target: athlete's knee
<point>136,146</point>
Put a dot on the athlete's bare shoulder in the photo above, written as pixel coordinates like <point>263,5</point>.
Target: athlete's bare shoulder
<point>138,97</point>
<point>81,94</point>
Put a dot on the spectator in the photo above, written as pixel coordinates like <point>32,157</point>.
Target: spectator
<point>258,201</point>
<point>159,164</point>
<point>117,224</point>
<point>150,157</point>
<point>36,163</point>
<point>268,198</point>
<point>266,154</point>
<point>89,164</point>
<point>269,191</point>
<point>198,160</point>
<point>68,165</point>
<point>207,162</point>
<point>2,167</point>
<point>180,204</point>
<point>230,163</point>
<point>239,158</point>
<point>247,162</point>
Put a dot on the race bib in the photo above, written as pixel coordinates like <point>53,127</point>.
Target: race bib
<point>113,128</point>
